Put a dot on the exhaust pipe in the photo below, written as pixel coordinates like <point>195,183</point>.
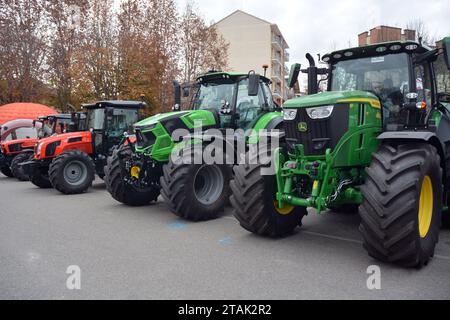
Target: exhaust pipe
<point>177,98</point>
<point>313,72</point>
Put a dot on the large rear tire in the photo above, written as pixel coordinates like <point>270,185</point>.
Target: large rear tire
<point>17,169</point>
<point>254,204</point>
<point>401,210</point>
<point>72,172</point>
<point>121,190</point>
<point>195,191</point>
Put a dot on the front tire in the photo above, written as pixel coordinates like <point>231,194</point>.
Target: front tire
<point>254,204</point>
<point>118,188</point>
<point>39,177</point>
<point>402,204</point>
<point>195,191</point>
<point>72,172</point>
<point>17,169</point>
<point>6,171</point>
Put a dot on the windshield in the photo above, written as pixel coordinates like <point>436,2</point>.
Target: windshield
<point>213,95</point>
<point>385,76</point>
<point>122,120</point>
<point>96,119</point>
<point>22,133</point>
<point>376,74</point>
<point>46,129</point>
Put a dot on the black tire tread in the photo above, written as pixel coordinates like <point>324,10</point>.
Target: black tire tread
<point>55,172</point>
<point>250,191</point>
<point>389,211</point>
<point>117,187</point>
<point>16,170</point>
<point>173,189</point>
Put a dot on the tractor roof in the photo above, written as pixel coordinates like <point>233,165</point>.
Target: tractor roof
<point>214,75</point>
<point>379,49</point>
<point>114,104</point>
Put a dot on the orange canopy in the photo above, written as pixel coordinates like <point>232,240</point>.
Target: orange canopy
<point>27,110</point>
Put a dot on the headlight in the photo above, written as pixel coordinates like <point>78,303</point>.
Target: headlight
<point>320,112</point>
<point>39,148</point>
<point>289,114</point>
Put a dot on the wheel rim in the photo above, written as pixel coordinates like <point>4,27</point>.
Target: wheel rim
<point>208,184</point>
<point>287,208</point>
<point>75,173</point>
<point>425,207</point>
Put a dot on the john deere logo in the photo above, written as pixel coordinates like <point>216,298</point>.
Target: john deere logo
<point>302,127</point>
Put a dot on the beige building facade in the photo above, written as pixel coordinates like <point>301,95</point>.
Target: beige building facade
<point>254,43</point>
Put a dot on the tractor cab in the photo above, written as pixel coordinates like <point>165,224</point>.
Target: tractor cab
<point>237,100</point>
<point>407,78</point>
<point>60,123</point>
<point>109,120</point>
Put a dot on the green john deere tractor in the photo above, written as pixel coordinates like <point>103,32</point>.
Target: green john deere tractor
<point>379,138</point>
<point>135,175</point>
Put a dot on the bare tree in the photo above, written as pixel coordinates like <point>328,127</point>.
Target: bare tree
<point>65,38</point>
<point>97,54</point>
<point>23,48</point>
<point>422,32</point>
<point>201,47</point>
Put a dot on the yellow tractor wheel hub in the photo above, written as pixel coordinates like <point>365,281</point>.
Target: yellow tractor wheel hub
<point>425,207</point>
<point>287,208</point>
<point>135,172</point>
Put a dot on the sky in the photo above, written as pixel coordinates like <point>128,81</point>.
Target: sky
<point>321,26</point>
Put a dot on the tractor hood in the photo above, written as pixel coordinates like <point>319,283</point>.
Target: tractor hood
<point>331,97</point>
<point>64,137</point>
<point>19,141</point>
<point>158,117</point>
<point>180,119</point>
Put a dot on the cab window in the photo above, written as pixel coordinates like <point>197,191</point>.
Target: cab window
<point>423,84</point>
<point>248,108</point>
<point>122,120</point>
<point>442,76</point>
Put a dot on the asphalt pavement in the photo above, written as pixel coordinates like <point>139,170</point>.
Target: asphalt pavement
<point>148,253</point>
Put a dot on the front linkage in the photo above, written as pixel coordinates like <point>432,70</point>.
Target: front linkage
<point>319,183</point>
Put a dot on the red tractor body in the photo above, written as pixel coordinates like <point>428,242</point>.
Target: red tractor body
<point>69,161</point>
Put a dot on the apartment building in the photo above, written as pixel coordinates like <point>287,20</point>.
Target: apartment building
<point>254,43</point>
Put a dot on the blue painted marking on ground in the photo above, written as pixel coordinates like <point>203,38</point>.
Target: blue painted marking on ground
<point>225,241</point>
<point>177,226</point>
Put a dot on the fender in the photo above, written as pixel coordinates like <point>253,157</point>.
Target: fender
<point>425,136</point>
<point>429,137</point>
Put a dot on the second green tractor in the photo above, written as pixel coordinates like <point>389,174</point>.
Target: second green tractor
<point>136,174</point>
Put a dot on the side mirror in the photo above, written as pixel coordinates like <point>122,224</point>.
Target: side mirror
<point>253,83</point>
<point>446,47</point>
<point>293,74</point>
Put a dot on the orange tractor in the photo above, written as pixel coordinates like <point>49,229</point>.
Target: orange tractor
<point>69,161</point>
<point>15,151</point>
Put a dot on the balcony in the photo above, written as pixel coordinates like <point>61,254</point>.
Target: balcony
<point>277,41</point>
<point>286,56</point>
<point>276,57</point>
<point>276,74</point>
